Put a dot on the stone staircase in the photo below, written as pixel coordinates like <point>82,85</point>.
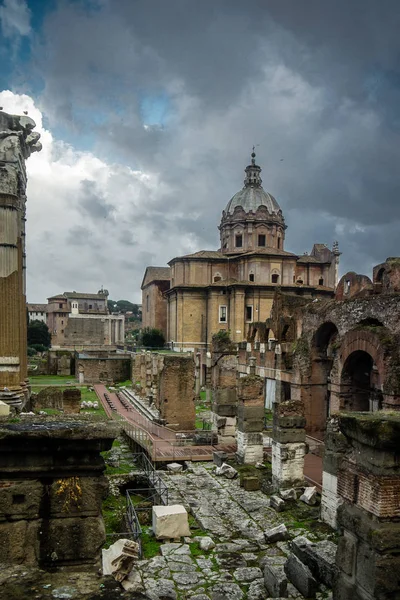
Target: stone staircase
<point>142,405</point>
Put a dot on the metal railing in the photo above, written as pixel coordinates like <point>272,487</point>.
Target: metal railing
<point>133,522</point>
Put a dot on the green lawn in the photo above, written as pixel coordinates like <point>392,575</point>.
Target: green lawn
<point>45,380</point>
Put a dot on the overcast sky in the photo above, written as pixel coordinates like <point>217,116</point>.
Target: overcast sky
<point>148,110</point>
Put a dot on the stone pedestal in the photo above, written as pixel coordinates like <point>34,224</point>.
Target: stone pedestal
<point>224,397</point>
<point>368,556</point>
<point>288,445</point>
<point>51,489</point>
<point>251,411</point>
<point>335,448</point>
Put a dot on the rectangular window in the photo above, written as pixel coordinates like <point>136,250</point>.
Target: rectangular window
<point>249,313</point>
<point>223,314</point>
<point>60,306</point>
<point>62,322</point>
<point>238,241</point>
<point>62,330</point>
<point>147,303</point>
<point>90,306</point>
<point>261,240</point>
<point>251,277</point>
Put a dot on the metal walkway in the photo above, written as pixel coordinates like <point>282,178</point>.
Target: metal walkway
<point>160,443</point>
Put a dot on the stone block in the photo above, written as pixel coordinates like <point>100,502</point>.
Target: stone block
<point>276,534</point>
<point>251,412</point>
<point>4,409</point>
<point>20,499</point>
<point>219,458</point>
<point>170,522</point>
<point>320,558</point>
<point>294,422</point>
<point>119,558</point>
<point>206,543</point>
<point>227,471</point>
<point>289,494</point>
<point>289,436</point>
<point>72,540</point>
<point>251,425</point>
<point>275,580</point>
<point>174,468</point>
<point>309,496</point>
<point>250,484</point>
<point>301,577</point>
<point>224,410</point>
<point>277,503</point>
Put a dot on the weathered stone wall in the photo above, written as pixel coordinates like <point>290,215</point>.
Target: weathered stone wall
<point>176,391</point>
<point>109,370</point>
<point>49,397</point>
<point>368,556</point>
<point>154,305</point>
<point>72,401</point>
<point>51,488</point>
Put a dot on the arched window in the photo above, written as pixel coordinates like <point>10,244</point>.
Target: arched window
<point>320,281</point>
<point>251,276</point>
<point>275,278</point>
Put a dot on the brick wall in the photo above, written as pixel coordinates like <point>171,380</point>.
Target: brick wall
<point>110,370</point>
<point>176,391</point>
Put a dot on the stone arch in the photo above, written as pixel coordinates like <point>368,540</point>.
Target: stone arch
<point>318,400</point>
<point>363,368</point>
<point>380,274</point>
<point>359,382</point>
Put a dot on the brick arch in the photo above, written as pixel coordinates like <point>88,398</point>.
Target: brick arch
<point>367,341</point>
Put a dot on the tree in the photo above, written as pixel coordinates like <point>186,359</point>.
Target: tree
<point>152,338</point>
<point>38,333</point>
<point>126,306</point>
<point>112,305</point>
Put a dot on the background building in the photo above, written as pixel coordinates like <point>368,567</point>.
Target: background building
<point>81,319</point>
<point>233,288</point>
<point>37,312</point>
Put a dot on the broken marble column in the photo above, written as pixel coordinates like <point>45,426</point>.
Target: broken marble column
<point>368,556</point>
<point>335,449</point>
<point>224,397</point>
<point>250,391</point>
<point>288,445</point>
<point>17,142</point>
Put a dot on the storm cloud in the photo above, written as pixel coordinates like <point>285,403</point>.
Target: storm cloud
<point>171,96</point>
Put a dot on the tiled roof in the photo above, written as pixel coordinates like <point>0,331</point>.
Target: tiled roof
<point>84,296</point>
<point>37,307</point>
<point>204,254</point>
<point>269,252</point>
<point>156,274</point>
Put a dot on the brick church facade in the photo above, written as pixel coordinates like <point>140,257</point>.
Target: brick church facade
<point>232,288</point>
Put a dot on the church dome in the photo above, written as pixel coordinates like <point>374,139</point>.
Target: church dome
<point>250,198</point>
<point>253,195</point>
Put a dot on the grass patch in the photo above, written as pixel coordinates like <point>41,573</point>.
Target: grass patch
<point>195,550</point>
<point>114,509</point>
<point>150,546</point>
<point>127,383</point>
<point>46,380</point>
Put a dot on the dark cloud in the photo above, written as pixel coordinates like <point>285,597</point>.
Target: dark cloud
<point>92,201</point>
<point>315,84</point>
